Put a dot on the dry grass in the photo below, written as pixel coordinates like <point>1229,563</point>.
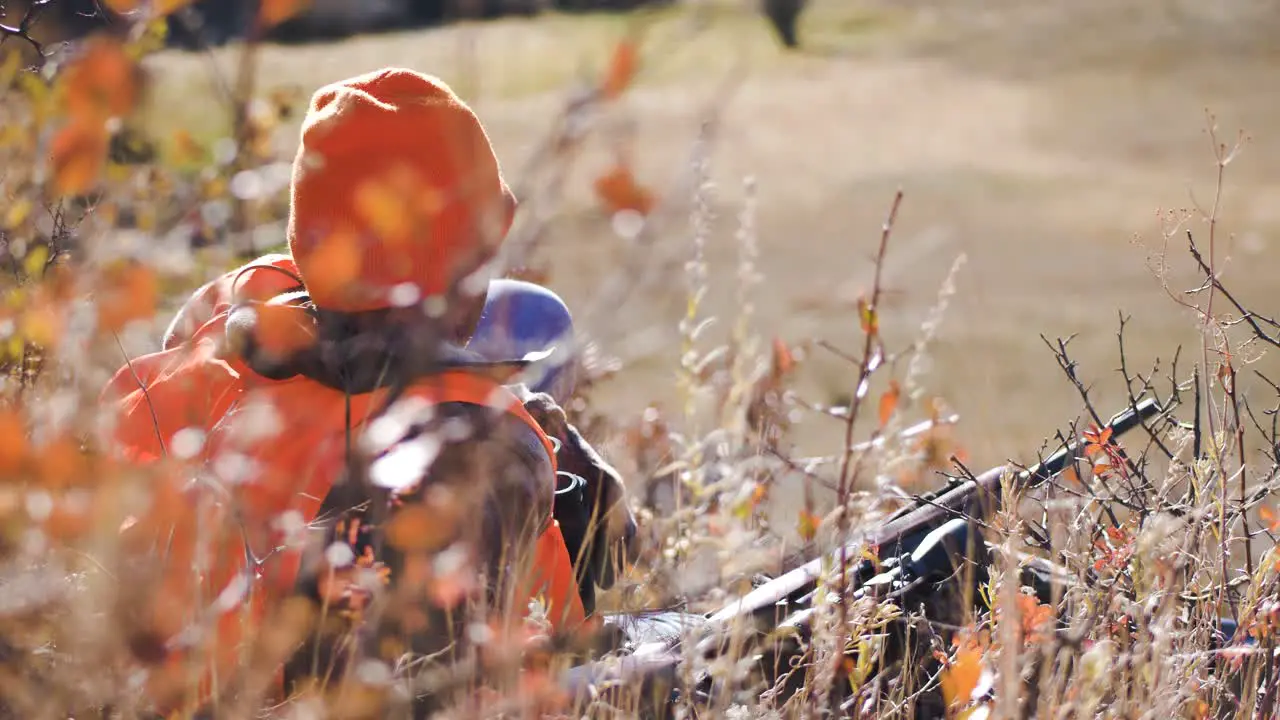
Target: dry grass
<point>1037,143</point>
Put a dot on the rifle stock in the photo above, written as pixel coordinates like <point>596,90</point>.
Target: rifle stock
<point>902,530</point>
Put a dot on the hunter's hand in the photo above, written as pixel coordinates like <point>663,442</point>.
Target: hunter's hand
<point>606,492</point>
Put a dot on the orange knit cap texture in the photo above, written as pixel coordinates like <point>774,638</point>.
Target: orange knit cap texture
<point>395,188</point>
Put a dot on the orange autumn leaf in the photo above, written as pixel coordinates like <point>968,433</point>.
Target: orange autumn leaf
<point>415,528</point>
<point>184,148</point>
<point>60,463</point>
<point>619,191</point>
<point>102,83</point>
<point>121,7</point>
<point>868,317</point>
<point>13,442</point>
<point>387,206</point>
<point>783,359</point>
<point>59,280</point>
<point>274,12</point>
<point>68,522</point>
<point>1269,517</point>
<point>1071,475</point>
<point>42,324</point>
<point>1034,618</point>
<point>808,525</point>
<point>622,68</point>
<point>1098,441</point>
<point>77,154</point>
<point>129,292</point>
<point>961,676</point>
<point>889,402</point>
<point>334,264</point>
<point>161,8</point>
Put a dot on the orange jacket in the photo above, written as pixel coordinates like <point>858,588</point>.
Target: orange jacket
<point>193,400</point>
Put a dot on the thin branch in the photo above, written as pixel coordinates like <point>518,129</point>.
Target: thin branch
<point>1252,318</point>
<point>22,30</point>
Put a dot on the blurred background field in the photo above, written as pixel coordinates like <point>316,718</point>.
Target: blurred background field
<point>1041,141</point>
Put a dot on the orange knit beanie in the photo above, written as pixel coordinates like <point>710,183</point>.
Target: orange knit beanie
<point>396,192</point>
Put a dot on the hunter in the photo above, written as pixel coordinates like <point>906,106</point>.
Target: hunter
<point>522,320</point>
<point>270,384</point>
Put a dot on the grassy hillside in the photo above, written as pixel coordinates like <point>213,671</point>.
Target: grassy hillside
<point>1040,144</point>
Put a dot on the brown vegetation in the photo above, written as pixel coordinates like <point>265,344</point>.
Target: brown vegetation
<point>938,199</point>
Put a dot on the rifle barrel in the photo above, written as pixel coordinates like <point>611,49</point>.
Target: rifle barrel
<point>927,513</point>
<point>922,515</point>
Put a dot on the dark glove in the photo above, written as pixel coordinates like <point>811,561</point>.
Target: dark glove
<point>610,542</point>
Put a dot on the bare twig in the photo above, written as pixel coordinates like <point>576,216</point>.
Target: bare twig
<point>23,29</point>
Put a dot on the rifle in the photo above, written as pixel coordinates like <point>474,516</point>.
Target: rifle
<point>919,540</point>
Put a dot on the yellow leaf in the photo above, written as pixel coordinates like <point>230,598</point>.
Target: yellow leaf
<point>215,187</point>
<point>41,325</point>
<point>152,39</point>
<point>38,94</point>
<point>12,134</point>
<point>808,526</point>
<point>868,316</point>
<point>15,347</point>
<point>274,12</point>
<point>9,66</point>
<point>116,172</point>
<point>185,149</point>
<point>18,213</point>
<point>871,554</point>
<point>33,264</point>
